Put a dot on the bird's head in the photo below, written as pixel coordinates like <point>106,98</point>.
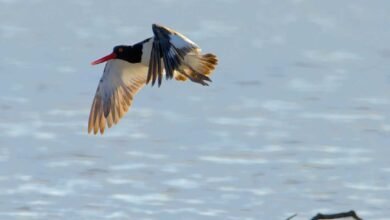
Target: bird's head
<point>119,52</point>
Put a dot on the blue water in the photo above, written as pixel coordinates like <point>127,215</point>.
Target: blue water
<point>297,119</point>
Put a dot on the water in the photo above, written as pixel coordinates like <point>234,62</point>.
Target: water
<point>295,121</point>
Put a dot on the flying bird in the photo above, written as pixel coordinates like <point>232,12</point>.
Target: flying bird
<point>129,68</point>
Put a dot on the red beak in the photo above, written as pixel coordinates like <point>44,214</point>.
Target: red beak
<point>104,59</point>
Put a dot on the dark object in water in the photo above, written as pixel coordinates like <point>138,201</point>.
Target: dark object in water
<point>351,213</point>
<point>336,216</point>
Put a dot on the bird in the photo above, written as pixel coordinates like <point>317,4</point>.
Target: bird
<point>130,67</point>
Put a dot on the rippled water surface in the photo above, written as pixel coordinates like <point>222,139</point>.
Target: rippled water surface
<point>297,119</point>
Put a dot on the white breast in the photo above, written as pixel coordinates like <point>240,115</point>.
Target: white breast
<point>146,50</point>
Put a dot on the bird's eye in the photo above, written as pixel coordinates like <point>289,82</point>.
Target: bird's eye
<point>120,50</point>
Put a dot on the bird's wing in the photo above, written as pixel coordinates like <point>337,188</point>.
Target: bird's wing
<point>172,47</point>
<point>120,82</point>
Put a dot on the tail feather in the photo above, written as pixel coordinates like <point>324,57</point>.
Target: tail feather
<point>209,62</point>
<point>197,68</point>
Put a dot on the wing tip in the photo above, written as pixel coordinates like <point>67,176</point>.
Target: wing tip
<point>156,26</point>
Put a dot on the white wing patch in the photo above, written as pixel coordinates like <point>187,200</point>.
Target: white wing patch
<point>119,84</point>
<point>180,41</point>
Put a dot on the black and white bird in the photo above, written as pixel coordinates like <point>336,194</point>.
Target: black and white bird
<point>129,68</point>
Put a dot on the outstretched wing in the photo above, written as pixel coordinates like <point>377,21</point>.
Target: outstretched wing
<point>119,84</point>
<point>169,47</point>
